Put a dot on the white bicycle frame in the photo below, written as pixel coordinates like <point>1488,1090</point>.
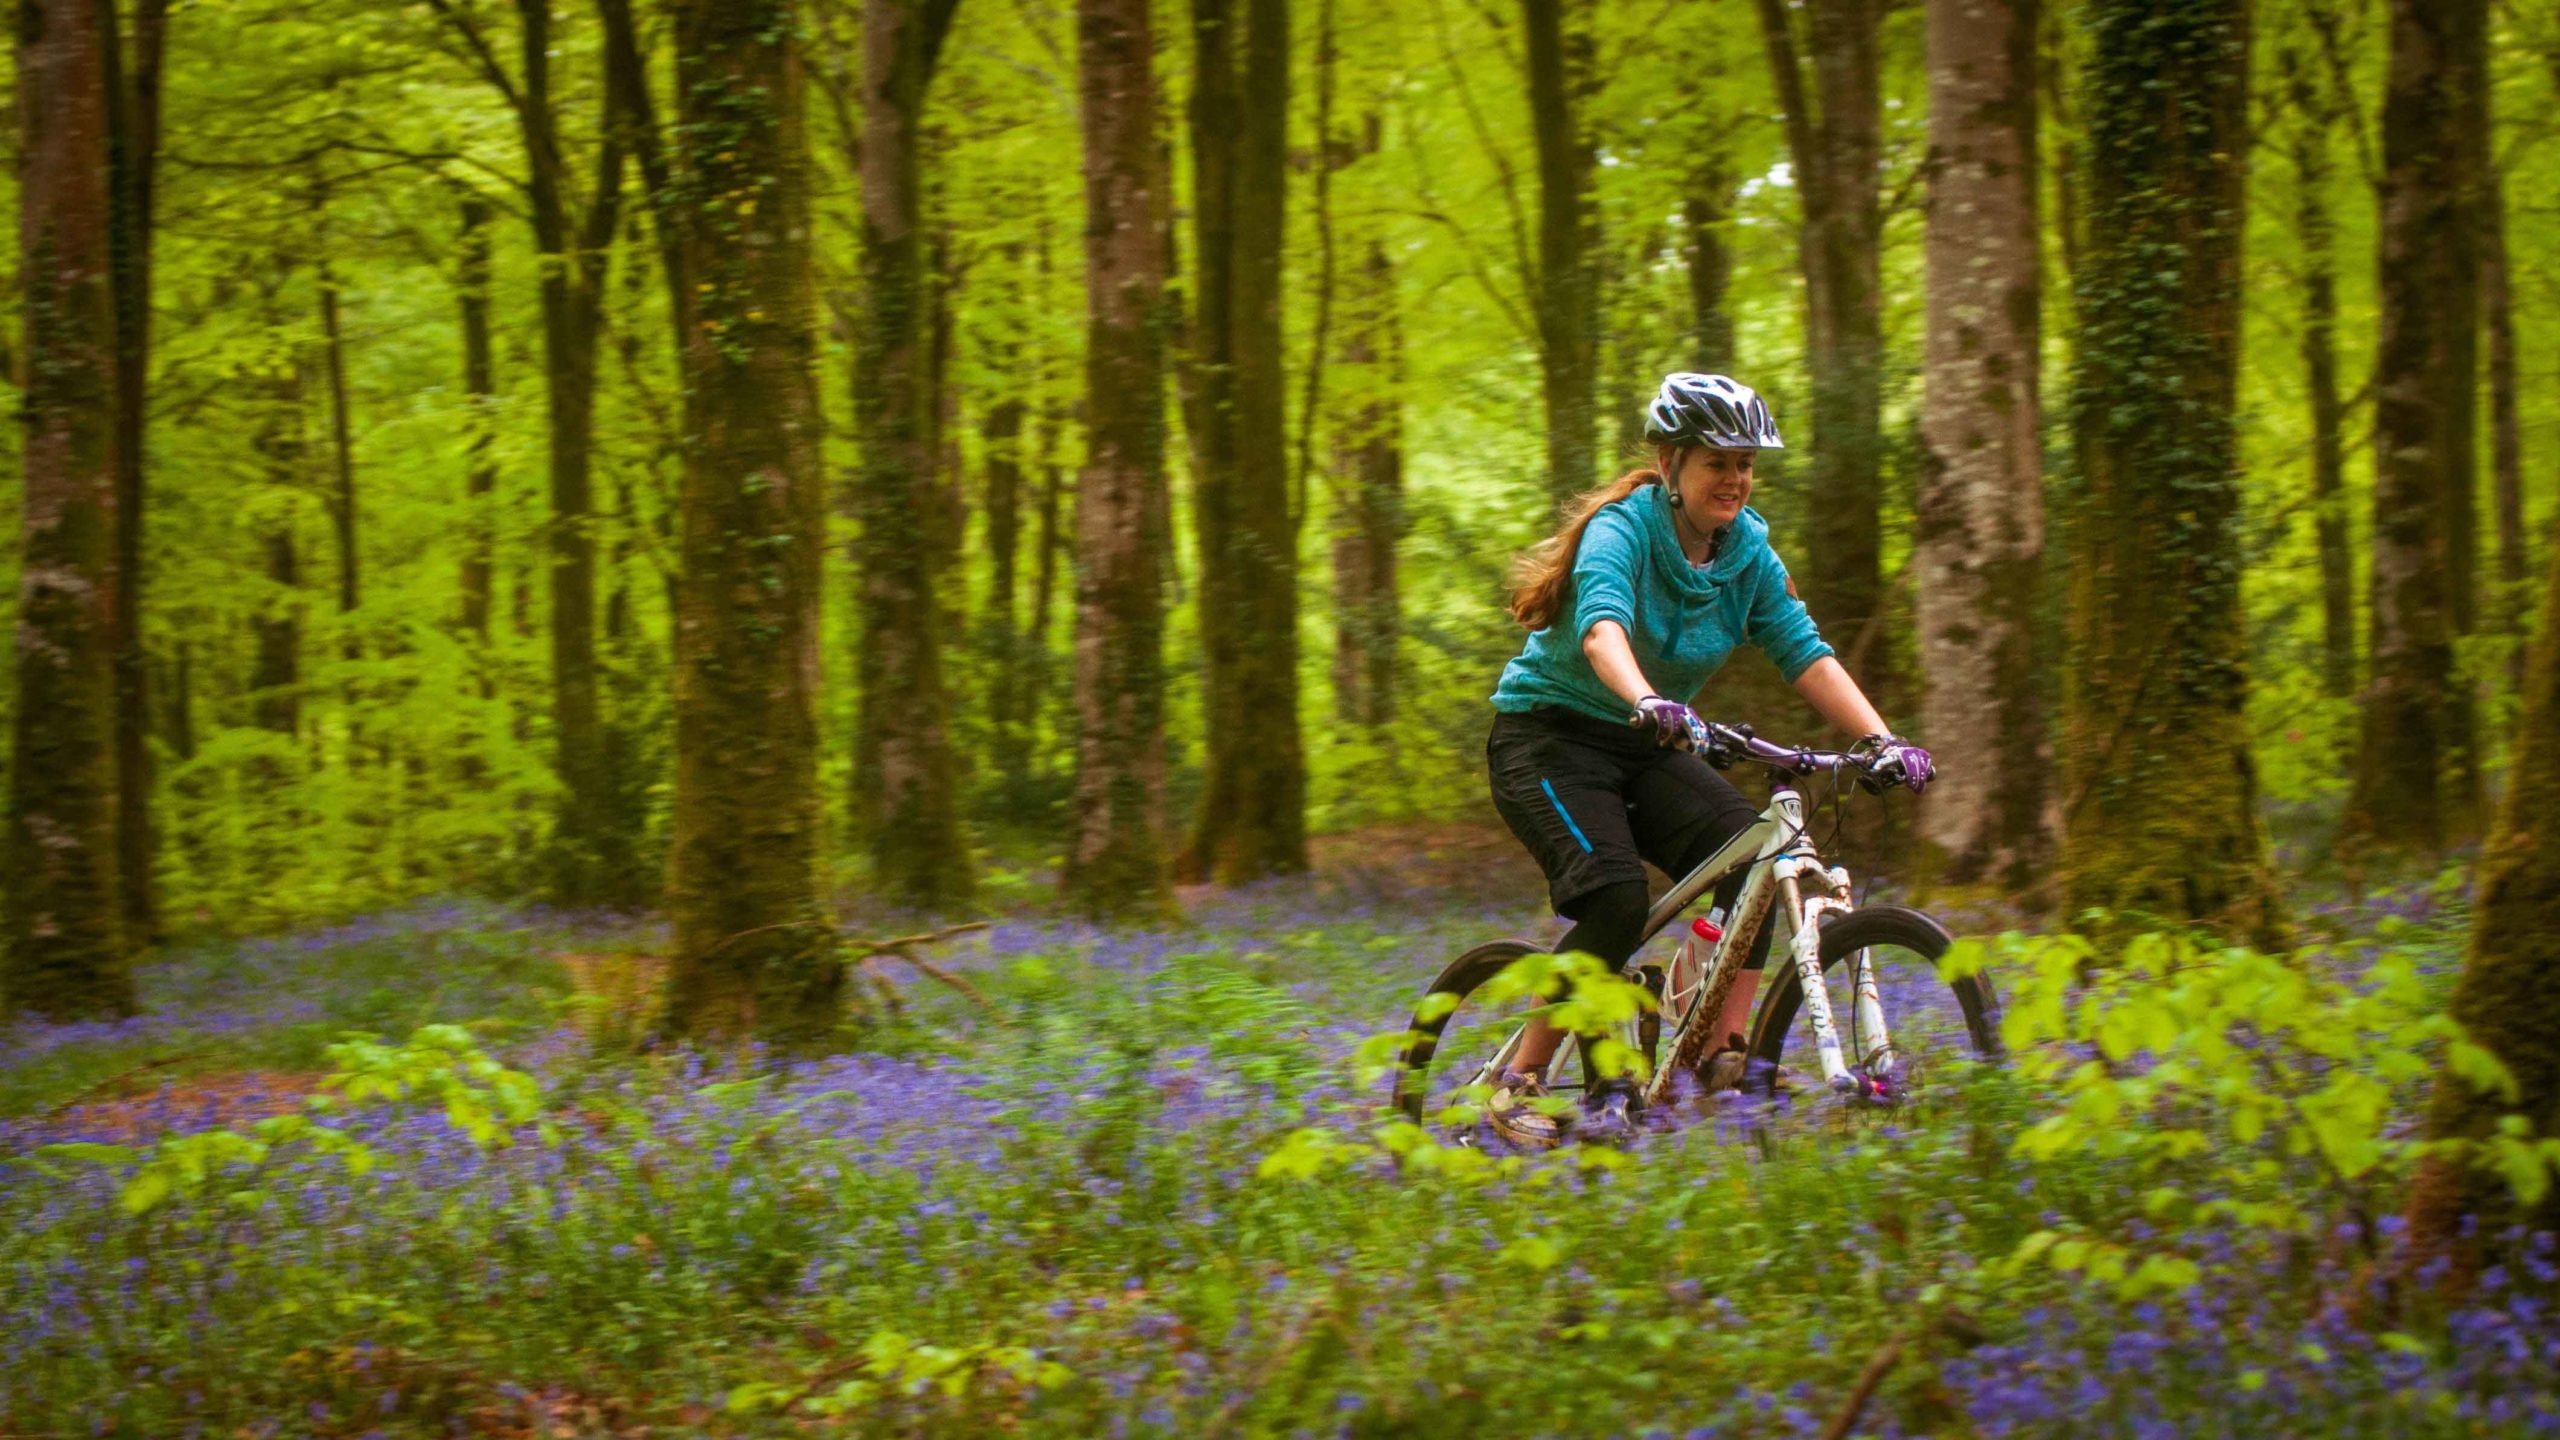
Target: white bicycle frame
<point>1785,870</point>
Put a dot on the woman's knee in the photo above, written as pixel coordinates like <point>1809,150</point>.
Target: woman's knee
<point>1608,920</point>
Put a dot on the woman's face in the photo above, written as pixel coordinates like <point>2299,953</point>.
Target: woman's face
<point>1714,484</point>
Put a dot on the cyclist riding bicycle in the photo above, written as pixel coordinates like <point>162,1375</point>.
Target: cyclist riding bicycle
<point>1651,582</point>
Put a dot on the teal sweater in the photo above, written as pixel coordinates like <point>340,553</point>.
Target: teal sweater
<point>1682,620</point>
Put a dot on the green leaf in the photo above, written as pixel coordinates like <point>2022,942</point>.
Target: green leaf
<point>89,1152</point>
<point>145,1190</point>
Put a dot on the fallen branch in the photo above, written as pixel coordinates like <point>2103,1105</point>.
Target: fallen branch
<point>84,1094</point>
<point>902,948</point>
<point>1868,1379</point>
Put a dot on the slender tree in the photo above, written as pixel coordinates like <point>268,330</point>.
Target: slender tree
<point>2314,105</point>
<point>919,851</point>
<point>1116,860</point>
<point>1252,816</point>
<point>1000,430</point>
<point>595,856</point>
<point>1705,213</point>
<point>133,83</point>
<point>750,931</point>
<point>2160,813</point>
<point>1833,118</point>
<point>1368,482</point>
<point>66,950</point>
<point>342,459</point>
<point>1566,283</point>
<point>2506,435</point>
<point>1980,506</point>
<point>2416,780</point>
<point>479,390</point>
<point>283,445</point>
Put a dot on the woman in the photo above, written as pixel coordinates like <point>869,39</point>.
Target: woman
<point>1639,598</point>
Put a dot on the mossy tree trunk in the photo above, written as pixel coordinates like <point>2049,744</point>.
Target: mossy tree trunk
<point>919,850</point>
<point>2417,776</point>
<point>2160,808</point>
<point>1566,284</point>
<point>750,929</point>
<point>1980,506</point>
<point>63,927</point>
<point>1116,853</point>
<point>1252,816</point>
<point>2509,989</point>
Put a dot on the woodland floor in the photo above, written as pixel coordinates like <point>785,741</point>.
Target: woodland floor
<point>1132,1183</point>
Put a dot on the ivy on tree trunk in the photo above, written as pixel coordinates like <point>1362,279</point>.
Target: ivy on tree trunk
<point>2160,792</point>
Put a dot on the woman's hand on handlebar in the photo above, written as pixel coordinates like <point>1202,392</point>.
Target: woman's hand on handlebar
<point>1674,725</point>
<point>1892,760</point>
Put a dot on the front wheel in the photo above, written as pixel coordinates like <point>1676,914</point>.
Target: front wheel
<point>1934,1025</point>
<point>1455,1036</point>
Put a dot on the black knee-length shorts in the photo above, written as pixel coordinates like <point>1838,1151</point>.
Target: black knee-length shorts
<point>1594,801</point>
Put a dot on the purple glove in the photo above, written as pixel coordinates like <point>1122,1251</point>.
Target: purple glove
<point>1674,725</point>
<point>1896,761</point>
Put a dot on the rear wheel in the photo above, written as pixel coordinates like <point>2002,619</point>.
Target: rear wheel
<point>1936,1025</point>
<point>1457,1034</point>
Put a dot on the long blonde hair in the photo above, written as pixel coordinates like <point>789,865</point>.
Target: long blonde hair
<point>1542,578</point>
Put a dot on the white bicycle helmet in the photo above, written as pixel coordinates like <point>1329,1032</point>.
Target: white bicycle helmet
<point>1694,409</point>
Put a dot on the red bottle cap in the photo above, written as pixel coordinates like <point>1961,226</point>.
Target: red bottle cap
<point>1705,929</point>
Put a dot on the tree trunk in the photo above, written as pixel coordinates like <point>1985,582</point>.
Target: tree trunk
<point>1834,136</point>
<point>65,951</point>
<point>919,850</point>
<point>1048,435</point>
<point>479,391</point>
<point>750,932</point>
<point>2507,994</point>
<point>2161,816</point>
<point>2315,111</point>
<point>1002,430</point>
<point>1703,216</point>
<point>134,161</point>
<point>2416,779</point>
<point>342,461</point>
<point>275,683</point>
<point>1116,850</point>
<point>1980,504</point>
<point>1368,467</point>
<point>275,678</point>
<point>595,853</point>
<point>1252,816</point>
<point>2506,442</point>
<point>1566,286</point>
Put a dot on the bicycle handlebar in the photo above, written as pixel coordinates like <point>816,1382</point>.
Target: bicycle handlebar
<point>1724,745</point>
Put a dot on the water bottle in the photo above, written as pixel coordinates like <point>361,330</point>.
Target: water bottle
<point>1689,966</point>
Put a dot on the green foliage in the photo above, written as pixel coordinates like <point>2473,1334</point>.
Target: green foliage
<point>482,1099</point>
<point>2264,1092</point>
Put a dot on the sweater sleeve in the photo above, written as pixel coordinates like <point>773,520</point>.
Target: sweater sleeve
<point>1604,572</point>
<point>1780,625</point>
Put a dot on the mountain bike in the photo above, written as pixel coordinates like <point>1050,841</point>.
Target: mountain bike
<point>1880,950</point>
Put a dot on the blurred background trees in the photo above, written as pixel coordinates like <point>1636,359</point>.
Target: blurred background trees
<point>1201,366</point>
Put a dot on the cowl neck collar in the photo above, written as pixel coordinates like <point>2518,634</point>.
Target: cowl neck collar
<point>1742,541</point>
